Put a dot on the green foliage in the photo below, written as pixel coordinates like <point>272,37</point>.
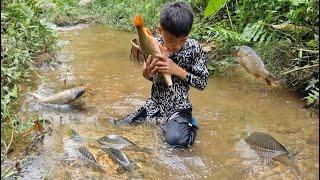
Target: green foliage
<point>213,6</point>
<point>23,37</point>
<point>313,95</point>
<point>115,13</point>
<point>120,13</point>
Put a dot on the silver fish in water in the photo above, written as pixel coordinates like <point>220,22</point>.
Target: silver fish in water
<point>119,157</point>
<point>63,97</point>
<point>119,142</point>
<point>115,141</point>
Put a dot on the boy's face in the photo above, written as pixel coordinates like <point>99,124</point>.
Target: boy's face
<point>172,43</point>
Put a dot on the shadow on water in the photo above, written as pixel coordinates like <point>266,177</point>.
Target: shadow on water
<point>228,111</point>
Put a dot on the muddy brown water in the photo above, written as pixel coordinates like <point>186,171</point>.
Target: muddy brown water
<point>228,110</point>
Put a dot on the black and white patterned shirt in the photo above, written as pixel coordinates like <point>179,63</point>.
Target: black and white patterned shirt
<point>168,99</point>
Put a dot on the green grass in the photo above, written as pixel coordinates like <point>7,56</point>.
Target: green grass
<point>23,37</point>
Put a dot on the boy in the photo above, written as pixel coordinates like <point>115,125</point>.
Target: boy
<point>186,63</point>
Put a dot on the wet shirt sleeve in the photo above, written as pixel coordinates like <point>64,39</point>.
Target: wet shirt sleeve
<point>197,76</point>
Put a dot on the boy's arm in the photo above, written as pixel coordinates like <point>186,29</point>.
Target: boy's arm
<point>197,77</point>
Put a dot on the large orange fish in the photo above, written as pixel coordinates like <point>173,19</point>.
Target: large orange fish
<point>148,45</point>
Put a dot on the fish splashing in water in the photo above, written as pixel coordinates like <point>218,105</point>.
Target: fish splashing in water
<point>63,97</point>
<point>252,62</point>
<point>269,148</point>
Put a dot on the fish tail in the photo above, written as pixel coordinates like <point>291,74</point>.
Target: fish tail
<point>168,79</point>
<point>72,132</point>
<point>295,169</point>
<point>138,21</point>
<point>271,80</point>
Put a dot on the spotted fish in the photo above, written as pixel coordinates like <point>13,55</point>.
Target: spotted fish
<point>87,154</point>
<point>270,149</point>
<point>119,157</point>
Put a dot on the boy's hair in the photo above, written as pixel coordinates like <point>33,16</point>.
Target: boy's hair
<point>177,18</point>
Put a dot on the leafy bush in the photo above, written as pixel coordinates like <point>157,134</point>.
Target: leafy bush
<point>23,37</point>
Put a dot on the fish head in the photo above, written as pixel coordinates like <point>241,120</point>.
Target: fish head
<point>234,50</point>
<point>78,91</point>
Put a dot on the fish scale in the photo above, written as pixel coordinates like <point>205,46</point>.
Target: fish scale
<point>266,145</point>
<point>114,140</point>
<point>87,154</point>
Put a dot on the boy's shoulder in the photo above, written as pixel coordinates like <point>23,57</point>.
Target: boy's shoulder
<point>193,42</point>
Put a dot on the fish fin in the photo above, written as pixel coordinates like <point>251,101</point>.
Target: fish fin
<point>256,76</point>
<point>35,95</point>
<point>148,31</point>
<point>130,141</point>
<point>296,170</point>
<point>138,21</point>
<point>268,81</point>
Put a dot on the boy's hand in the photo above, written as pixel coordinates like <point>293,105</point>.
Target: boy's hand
<point>148,68</point>
<point>166,65</point>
